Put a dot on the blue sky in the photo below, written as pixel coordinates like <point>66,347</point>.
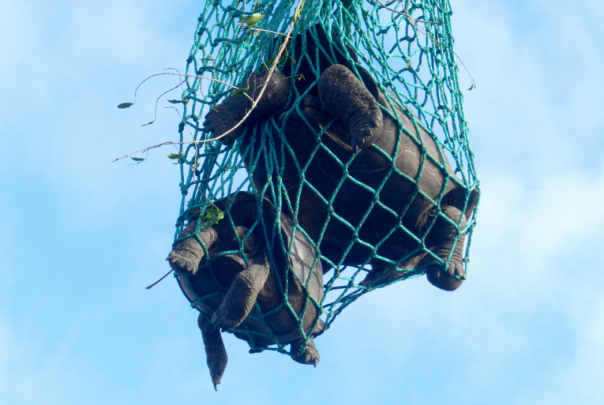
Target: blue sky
<point>80,237</point>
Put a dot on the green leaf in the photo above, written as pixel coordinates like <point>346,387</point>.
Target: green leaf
<point>125,105</point>
<point>240,91</point>
<point>251,20</point>
<point>175,156</point>
<point>177,101</point>
<point>268,63</point>
<point>211,217</point>
<point>137,159</point>
<point>214,213</point>
<point>298,12</point>
<point>472,87</point>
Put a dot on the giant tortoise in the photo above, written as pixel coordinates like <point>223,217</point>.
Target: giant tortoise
<point>234,286</point>
<point>363,171</point>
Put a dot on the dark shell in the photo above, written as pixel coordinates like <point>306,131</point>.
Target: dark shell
<point>379,187</point>
<point>372,168</point>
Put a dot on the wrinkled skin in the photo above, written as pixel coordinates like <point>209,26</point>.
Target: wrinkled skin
<point>232,287</point>
<point>363,117</point>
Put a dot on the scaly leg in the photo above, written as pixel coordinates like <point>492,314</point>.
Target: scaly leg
<point>241,297</point>
<point>186,255</point>
<point>440,241</point>
<point>309,356</point>
<point>346,97</point>
<point>215,351</point>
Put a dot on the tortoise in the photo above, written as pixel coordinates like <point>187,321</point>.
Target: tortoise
<point>345,119</point>
<point>234,286</point>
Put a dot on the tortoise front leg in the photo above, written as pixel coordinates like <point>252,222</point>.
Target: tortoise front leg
<point>233,109</point>
<point>216,354</point>
<point>186,255</point>
<point>346,97</point>
<point>241,297</point>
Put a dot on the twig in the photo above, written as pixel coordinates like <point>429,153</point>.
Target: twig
<point>211,79</point>
<point>157,282</point>
<point>270,73</point>
<point>271,70</point>
<point>406,14</point>
<point>157,146</point>
<point>157,101</point>
<point>272,32</point>
<point>182,119</point>
<point>181,75</point>
<point>409,18</point>
<point>188,129</point>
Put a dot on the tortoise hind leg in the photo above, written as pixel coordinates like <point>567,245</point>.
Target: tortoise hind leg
<point>215,351</point>
<point>241,297</point>
<point>310,355</point>
<point>440,240</point>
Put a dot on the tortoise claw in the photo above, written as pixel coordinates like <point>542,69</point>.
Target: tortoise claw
<point>442,279</point>
<point>225,319</point>
<point>460,271</point>
<point>309,356</point>
<point>366,135</point>
<point>456,269</point>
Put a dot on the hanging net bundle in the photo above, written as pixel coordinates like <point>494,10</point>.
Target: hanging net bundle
<point>336,199</point>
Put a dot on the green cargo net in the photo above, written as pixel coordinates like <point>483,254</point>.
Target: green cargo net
<point>406,46</point>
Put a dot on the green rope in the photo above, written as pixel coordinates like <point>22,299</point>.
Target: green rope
<point>409,51</point>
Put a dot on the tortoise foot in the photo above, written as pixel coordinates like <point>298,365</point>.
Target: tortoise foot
<point>309,356</point>
<point>234,109</point>
<point>345,96</point>
<point>446,280</point>
<point>228,316</point>
<point>219,121</point>
<point>366,132</point>
<point>185,256</point>
<point>241,297</point>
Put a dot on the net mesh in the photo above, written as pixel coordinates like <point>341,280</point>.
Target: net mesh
<point>406,45</point>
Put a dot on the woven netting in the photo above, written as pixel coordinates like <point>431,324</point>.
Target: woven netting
<point>407,46</point>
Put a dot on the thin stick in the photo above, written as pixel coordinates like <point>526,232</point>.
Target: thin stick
<point>153,147</point>
<point>157,101</point>
<point>157,282</point>
<point>409,18</point>
<point>181,75</point>
<point>188,129</point>
<point>254,102</point>
<point>268,78</point>
<point>406,14</point>
<point>272,32</point>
